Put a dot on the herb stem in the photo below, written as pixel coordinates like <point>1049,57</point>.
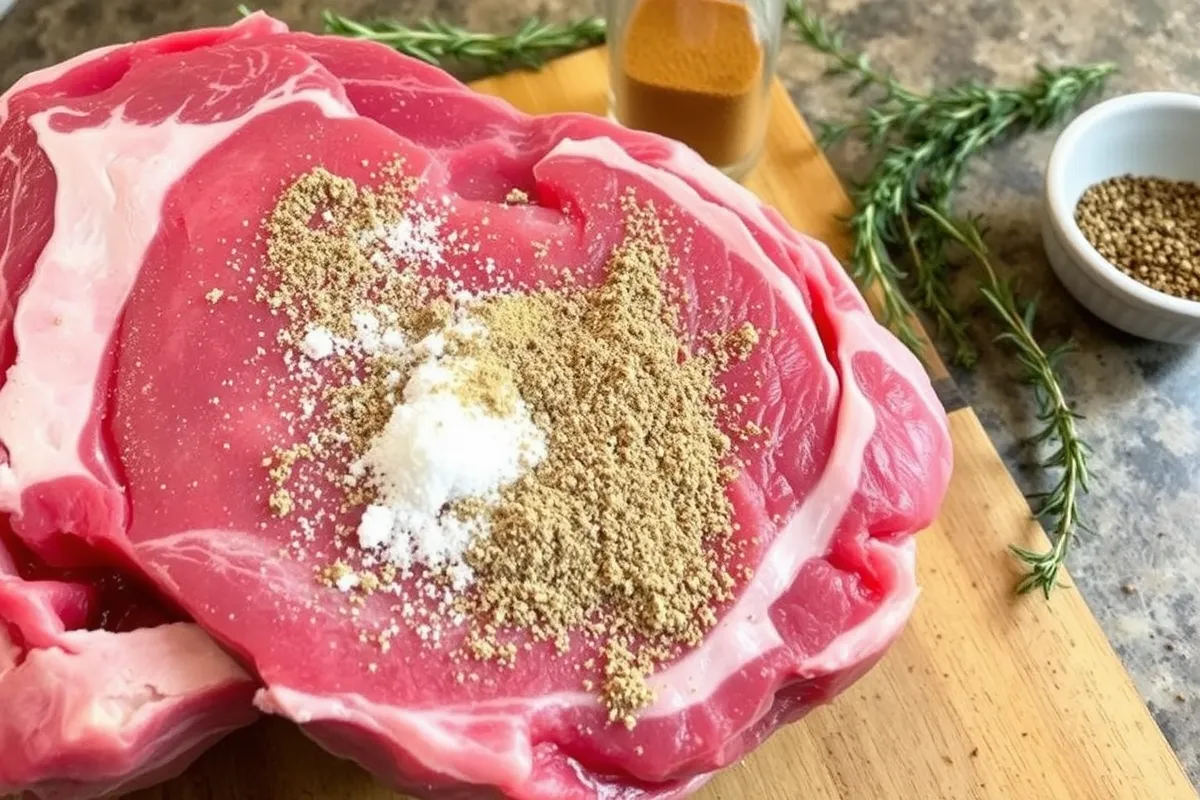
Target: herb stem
<point>816,33</point>
<point>870,265</point>
<point>433,41</point>
<point>1059,506</point>
<point>933,294</point>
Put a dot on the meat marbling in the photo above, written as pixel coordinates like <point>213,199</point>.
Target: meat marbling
<point>133,176</point>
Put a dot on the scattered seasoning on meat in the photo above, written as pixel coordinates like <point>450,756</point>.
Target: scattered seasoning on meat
<point>516,197</point>
<point>602,520</point>
<point>327,272</point>
<point>214,296</point>
<point>1149,228</point>
<point>452,437</point>
<point>740,343</point>
<point>625,689</point>
<point>281,502</point>
<point>283,460</point>
<point>618,525</point>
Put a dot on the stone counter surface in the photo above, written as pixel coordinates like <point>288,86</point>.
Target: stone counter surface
<point>1140,568</point>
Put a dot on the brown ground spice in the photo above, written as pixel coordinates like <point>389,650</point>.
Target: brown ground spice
<point>323,274</point>
<point>488,383</point>
<point>618,525</point>
<point>693,71</point>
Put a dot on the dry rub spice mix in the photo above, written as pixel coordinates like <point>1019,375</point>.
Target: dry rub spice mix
<point>506,464</point>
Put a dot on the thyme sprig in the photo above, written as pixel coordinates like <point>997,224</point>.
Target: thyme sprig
<point>1059,507</point>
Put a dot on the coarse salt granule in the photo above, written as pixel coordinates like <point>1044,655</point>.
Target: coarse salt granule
<point>372,337</point>
<point>317,344</point>
<point>437,449</point>
<point>366,330</point>
<point>393,339</point>
<point>416,238</point>
<point>375,527</point>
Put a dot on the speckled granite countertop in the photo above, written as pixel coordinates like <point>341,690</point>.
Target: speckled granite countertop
<point>1140,569</point>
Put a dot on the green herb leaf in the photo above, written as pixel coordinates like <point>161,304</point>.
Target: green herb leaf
<point>1060,506</point>
<point>437,42</point>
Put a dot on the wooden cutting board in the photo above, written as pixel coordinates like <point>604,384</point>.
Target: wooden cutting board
<point>986,695</point>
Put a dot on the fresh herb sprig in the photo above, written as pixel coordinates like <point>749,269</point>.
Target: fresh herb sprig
<point>434,41</point>
<point>1059,507</point>
<point>924,144</point>
<point>927,141</point>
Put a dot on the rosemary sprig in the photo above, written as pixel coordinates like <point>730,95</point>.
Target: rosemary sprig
<point>434,41</point>
<point>816,33</point>
<point>1060,506</point>
<point>927,141</point>
<point>925,161</point>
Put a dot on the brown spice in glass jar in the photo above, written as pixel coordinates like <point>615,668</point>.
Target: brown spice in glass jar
<point>692,70</point>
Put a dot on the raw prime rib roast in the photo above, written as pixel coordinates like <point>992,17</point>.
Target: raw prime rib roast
<point>134,416</point>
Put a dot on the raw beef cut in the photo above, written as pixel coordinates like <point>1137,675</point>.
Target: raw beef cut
<point>135,413</point>
<point>102,690</point>
<point>103,693</point>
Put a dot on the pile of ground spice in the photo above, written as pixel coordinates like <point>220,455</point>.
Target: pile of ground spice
<point>325,261</point>
<point>615,543</point>
<point>1149,228</point>
<point>616,531</point>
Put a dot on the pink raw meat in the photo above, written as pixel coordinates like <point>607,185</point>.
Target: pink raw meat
<point>101,691</point>
<point>139,173</point>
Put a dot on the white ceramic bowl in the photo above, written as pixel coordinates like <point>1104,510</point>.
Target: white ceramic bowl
<point>1150,134</point>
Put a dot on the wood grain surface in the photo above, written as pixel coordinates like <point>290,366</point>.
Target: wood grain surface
<point>984,696</point>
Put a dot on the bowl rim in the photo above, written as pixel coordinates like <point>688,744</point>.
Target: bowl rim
<point>1075,243</point>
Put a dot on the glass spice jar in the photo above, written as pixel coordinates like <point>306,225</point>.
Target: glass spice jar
<point>698,71</point>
